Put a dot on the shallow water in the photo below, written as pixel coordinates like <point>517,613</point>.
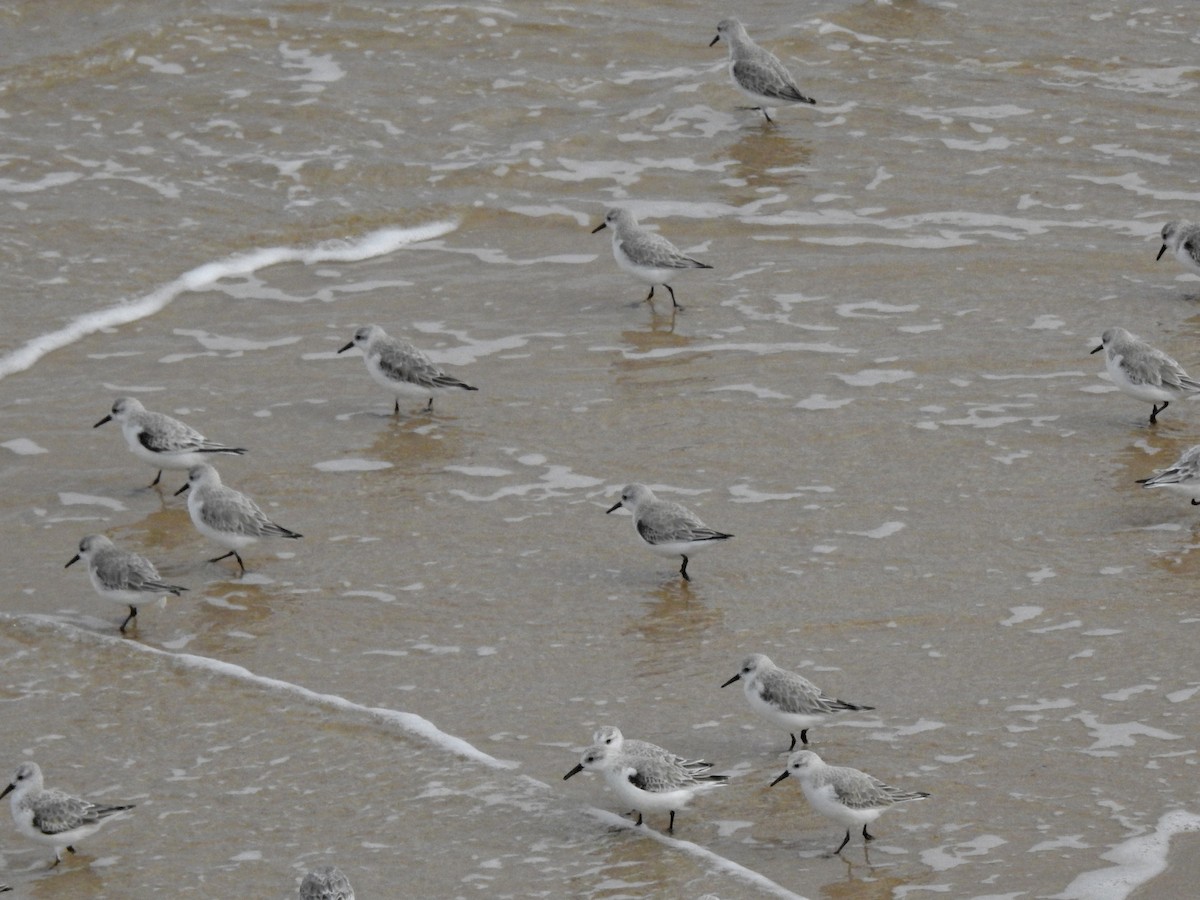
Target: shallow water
<point>883,388</point>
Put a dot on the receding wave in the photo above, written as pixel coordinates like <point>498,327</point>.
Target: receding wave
<point>375,243</point>
<point>410,723</point>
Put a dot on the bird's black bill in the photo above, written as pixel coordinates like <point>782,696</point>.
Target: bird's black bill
<point>74,559</point>
<point>574,771</point>
<point>1097,350</point>
<point>779,779</point>
<point>613,508</point>
<point>714,40</point>
<point>347,347</point>
<point>109,418</point>
<point>600,227</point>
<point>736,677</point>
<point>1160,253</point>
<point>181,490</point>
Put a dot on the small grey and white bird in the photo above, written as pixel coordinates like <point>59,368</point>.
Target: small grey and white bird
<point>1143,372</point>
<point>756,72</point>
<point>656,783</point>
<point>610,736</point>
<point>786,699</point>
<point>326,883</point>
<point>1183,240</point>
<point>401,368</point>
<point>227,516</point>
<point>159,439</point>
<point>848,796</point>
<point>122,576</point>
<point>668,529</point>
<point>1182,476</point>
<point>645,255</point>
<point>52,817</point>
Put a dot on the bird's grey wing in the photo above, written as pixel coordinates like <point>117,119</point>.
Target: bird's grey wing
<point>657,775</point>
<point>652,249</point>
<point>162,434</point>
<point>55,812</point>
<point>673,522</point>
<point>857,790</point>
<point>225,509</point>
<point>791,694</point>
<point>118,570</point>
<point>406,363</point>
<point>766,75</point>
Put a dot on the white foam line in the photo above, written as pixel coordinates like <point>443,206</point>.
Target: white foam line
<point>408,722</point>
<point>375,243</point>
<point>1138,861</point>
<point>726,865</point>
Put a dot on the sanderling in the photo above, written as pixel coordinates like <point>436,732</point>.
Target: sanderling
<point>756,72</point>
<point>1182,476</point>
<point>644,254</point>
<point>52,817</point>
<point>610,736</point>
<point>401,368</point>
<point>669,529</point>
<point>1183,239</point>
<point>326,883</point>
<point>785,698</point>
<point>227,516</point>
<point>648,783</point>
<point>160,440</point>
<point>1143,372</point>
<point>122,576</point>
<point>846,795</point>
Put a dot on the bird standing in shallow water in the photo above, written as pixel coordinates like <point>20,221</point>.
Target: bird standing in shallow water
<point>756,72</point>
<point>401,368</point>
<point>1144,372</point>
<point>785,698</point>
<point>227,516</point>
<point>160,440</point>
<point>668,529</point>
<point>52,817</point>
<point>848,796</point>
<point>656,783</point>
<point>644,254</point>
<point>121,576</point>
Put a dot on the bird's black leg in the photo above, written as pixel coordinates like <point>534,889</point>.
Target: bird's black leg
<point>156,478</point>
<point>429,408</point>
<point>71,848</point>
<point>671,827</point>
<point>639,821</point>
<point>867,836</point>
<point>396,410</point>
<point>683,570</point>
<point>673,303</point>
<point>793,747</point>
<point>844,842</point>
<point>804,736</point>
<point>129,618</point>
<point>1155,410</point>
<point>649,296</point>
<point>235,555</point>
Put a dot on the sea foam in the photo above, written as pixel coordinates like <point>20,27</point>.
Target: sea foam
<point>375,243</point>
